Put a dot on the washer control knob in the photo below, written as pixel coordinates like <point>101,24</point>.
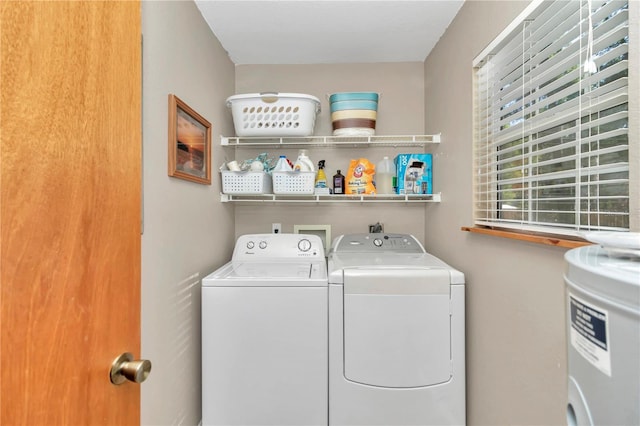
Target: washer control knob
<point>377,242</point>
<point>304,245</point>
<point>262,244</point>
<point>250,245</point>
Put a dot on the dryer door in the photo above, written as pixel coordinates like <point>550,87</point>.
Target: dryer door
<point>397,328</point>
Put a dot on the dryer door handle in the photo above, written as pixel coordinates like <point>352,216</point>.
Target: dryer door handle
<point>397,281</point>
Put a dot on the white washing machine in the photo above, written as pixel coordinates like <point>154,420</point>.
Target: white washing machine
<point>396,334</point>
<point>603,333</point>
<point>264,334</point>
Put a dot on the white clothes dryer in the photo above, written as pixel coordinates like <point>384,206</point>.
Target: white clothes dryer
<point>396,334</point>
<point>264,334</point>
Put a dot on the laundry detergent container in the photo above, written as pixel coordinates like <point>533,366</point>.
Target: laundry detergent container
<point>354,113</point>
<point>268,114</point>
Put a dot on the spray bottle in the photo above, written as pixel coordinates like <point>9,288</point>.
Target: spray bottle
<point>321,178</point>
<point>321,187</point>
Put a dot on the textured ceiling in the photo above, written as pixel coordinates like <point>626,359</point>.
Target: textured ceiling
<point>314,32</point>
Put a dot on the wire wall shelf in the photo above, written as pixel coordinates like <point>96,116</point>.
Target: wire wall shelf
<point>333,141</point>
<point>378,198</point>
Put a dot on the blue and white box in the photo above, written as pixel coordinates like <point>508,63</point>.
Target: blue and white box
<point>414,173</point>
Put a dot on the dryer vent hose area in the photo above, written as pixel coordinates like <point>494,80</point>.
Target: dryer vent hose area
<point>376,229</point>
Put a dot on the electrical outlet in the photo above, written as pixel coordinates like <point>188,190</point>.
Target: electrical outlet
<point>276,228</point>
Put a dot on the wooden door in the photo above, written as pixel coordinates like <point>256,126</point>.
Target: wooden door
<point>70,183</point>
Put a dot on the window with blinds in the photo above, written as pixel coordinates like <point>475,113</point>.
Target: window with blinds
<point>551,121</point>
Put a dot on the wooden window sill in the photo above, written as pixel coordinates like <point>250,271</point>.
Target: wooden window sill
<point>531,238</point>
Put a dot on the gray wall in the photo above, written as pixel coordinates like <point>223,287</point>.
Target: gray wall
<point>516,362</point>
<point>400,112</point>
<point>187,231</point>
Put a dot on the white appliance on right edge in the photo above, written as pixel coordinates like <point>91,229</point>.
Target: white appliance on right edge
<point>603,331</point>
<point>396,334</point>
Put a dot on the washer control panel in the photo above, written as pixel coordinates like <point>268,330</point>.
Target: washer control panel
<point>278,247</point>
<point>358,243</point>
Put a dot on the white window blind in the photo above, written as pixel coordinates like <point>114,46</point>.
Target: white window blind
<point>551,136</point>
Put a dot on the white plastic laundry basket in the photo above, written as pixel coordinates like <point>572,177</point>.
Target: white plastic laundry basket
<point>274,114</point>
<point>293,182</point>
<point>245,182</point>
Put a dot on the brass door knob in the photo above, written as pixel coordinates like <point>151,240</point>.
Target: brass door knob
<point>126,368</point>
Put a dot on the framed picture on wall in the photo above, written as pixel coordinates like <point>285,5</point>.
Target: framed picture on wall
<point>189,143</point>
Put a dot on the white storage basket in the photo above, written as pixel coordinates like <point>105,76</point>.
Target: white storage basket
<point>293,182</point>
<point>245,182</point>
<point>274,114</point>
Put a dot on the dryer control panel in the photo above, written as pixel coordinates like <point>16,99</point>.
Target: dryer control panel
<point>278,247</point>
<point>377,242</point>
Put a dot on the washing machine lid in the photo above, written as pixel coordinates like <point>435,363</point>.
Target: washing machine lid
<point>273,260</point>
<point>255,274</point>
<point>252,270</point>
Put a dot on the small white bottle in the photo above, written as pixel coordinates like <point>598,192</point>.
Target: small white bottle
<point>385,173</point>
<point>303,163</point>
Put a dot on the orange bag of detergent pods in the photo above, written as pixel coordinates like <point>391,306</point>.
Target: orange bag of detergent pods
<point>359,180</point>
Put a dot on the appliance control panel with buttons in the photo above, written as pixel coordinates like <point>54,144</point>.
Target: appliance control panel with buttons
<point>376,242</point>
<point>278,246</point>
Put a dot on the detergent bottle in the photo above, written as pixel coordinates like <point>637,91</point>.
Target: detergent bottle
<point>283,165</point>
<point>303,163</point>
